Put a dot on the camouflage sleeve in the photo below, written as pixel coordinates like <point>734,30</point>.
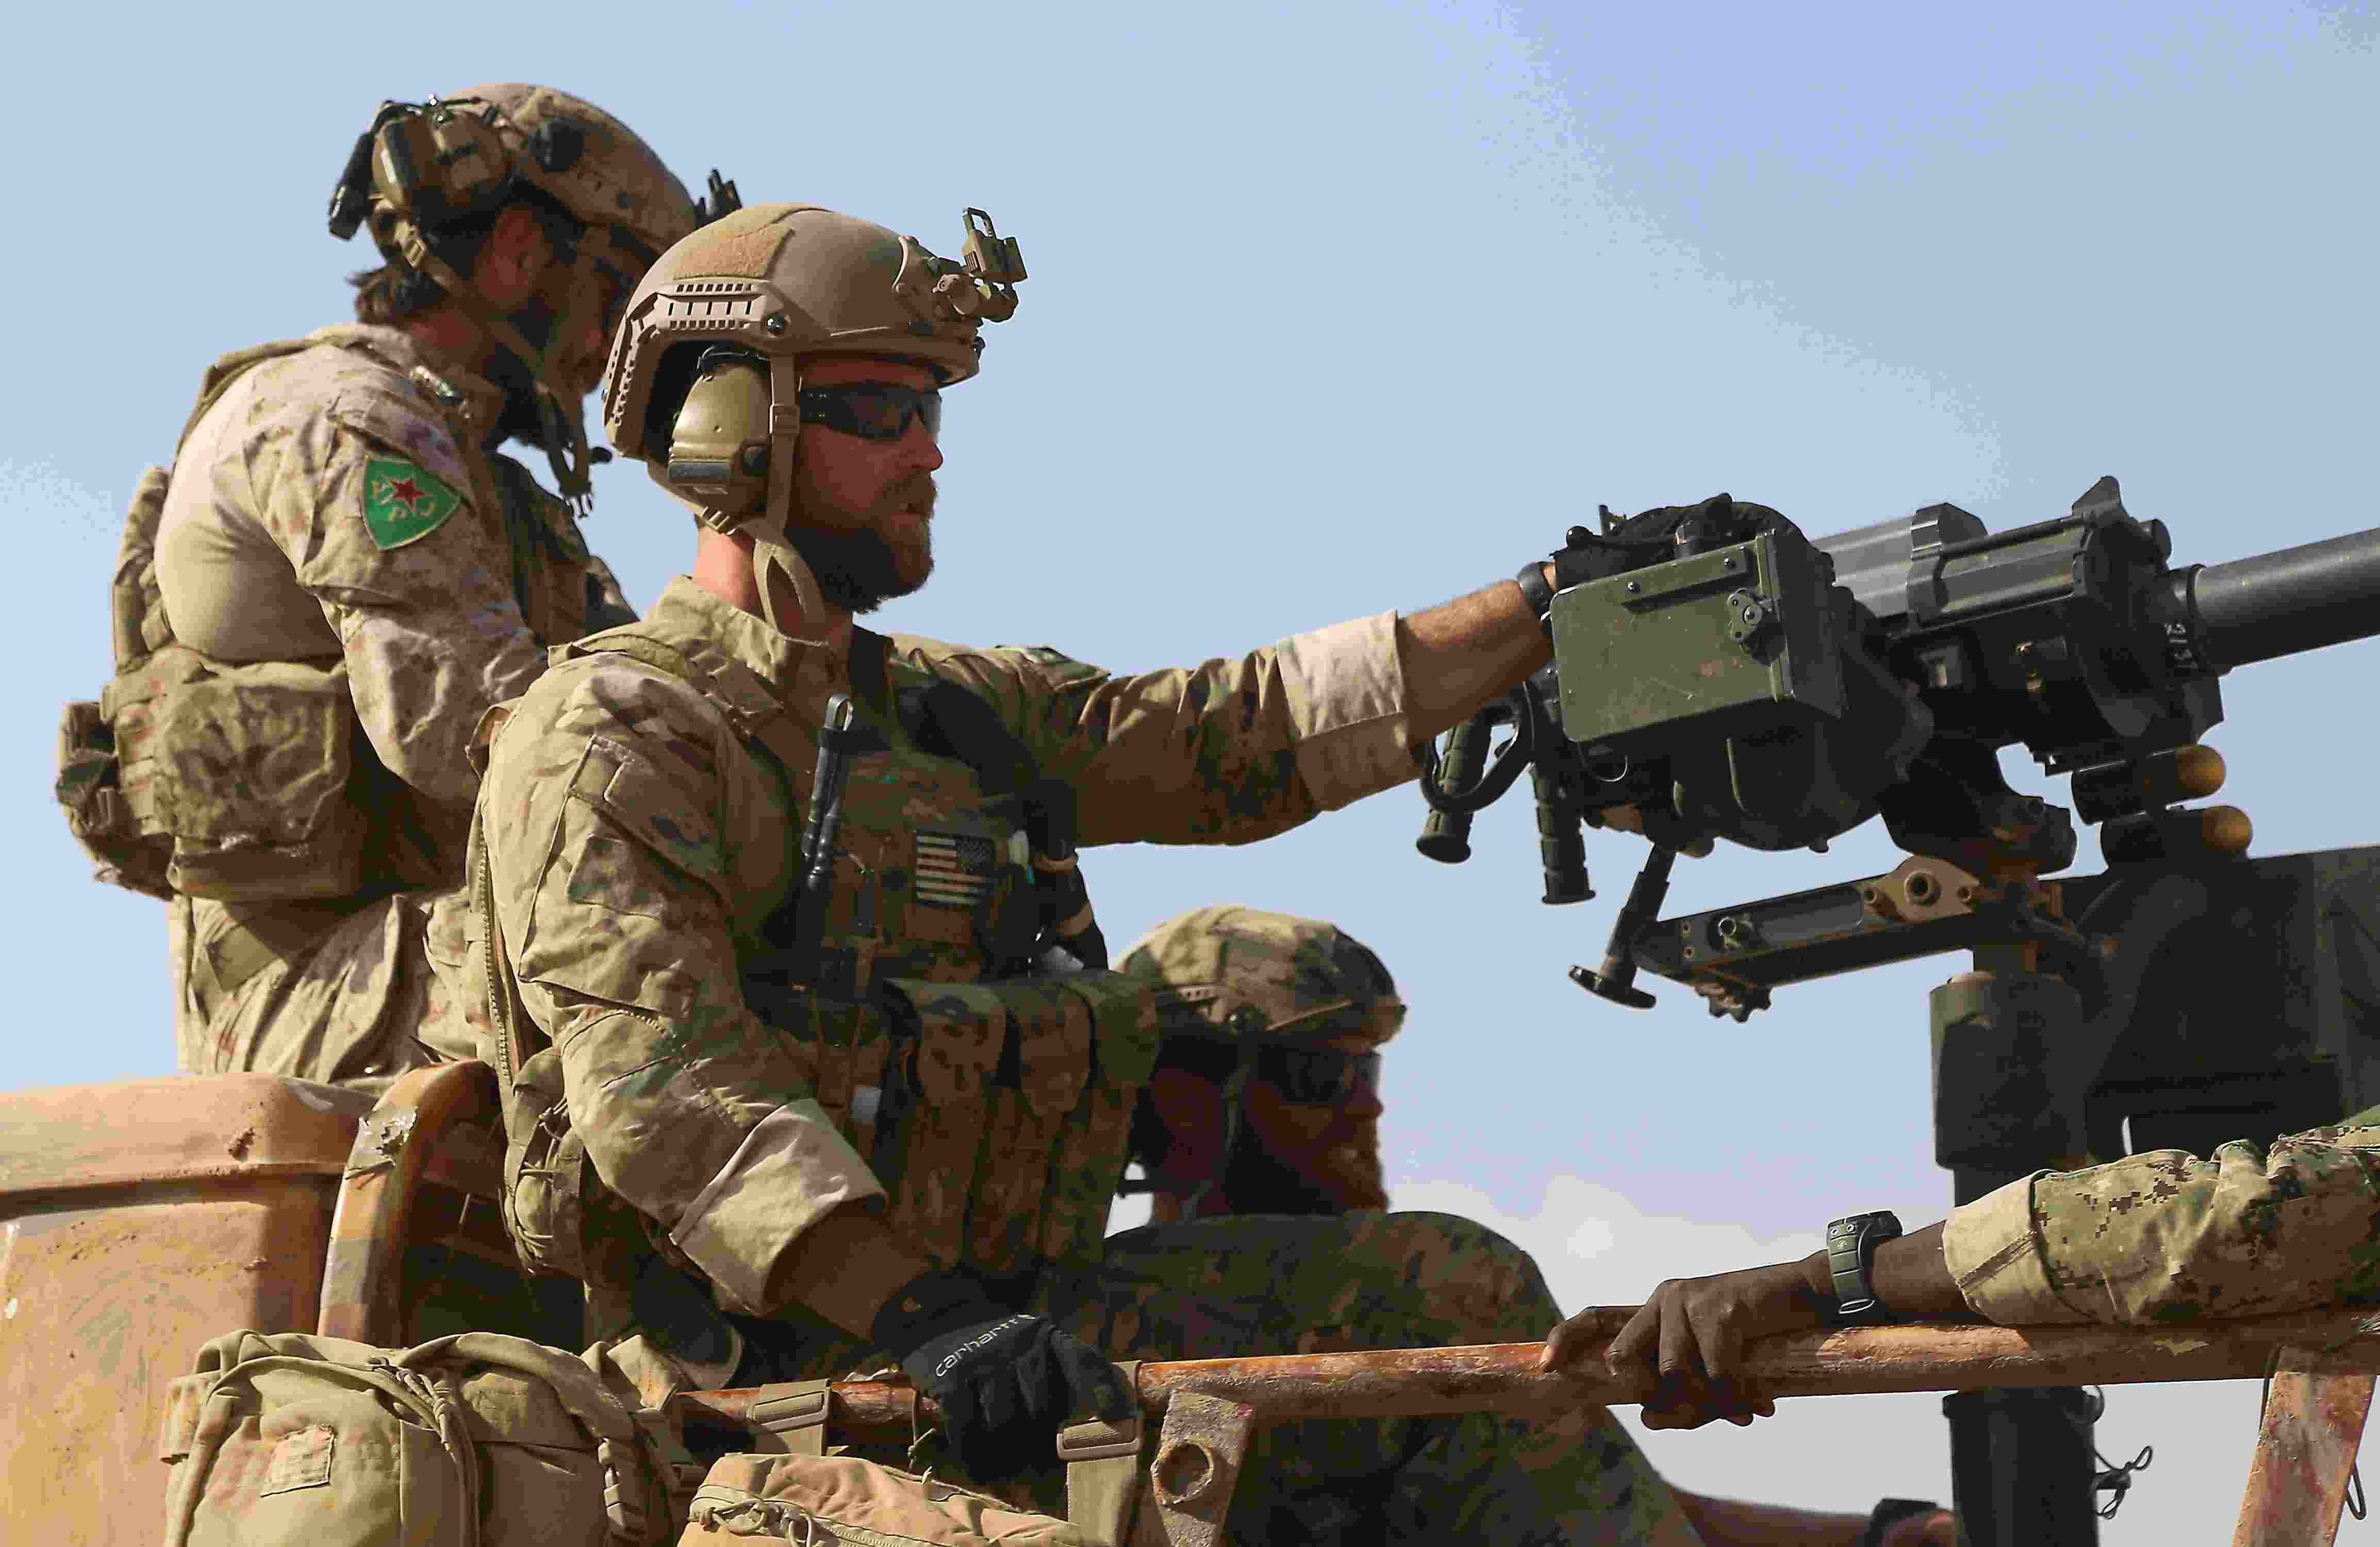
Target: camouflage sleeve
<point>2169,1237</point>
<point>605,814</point>
<point>370,500</point>
<point>1226,752</point>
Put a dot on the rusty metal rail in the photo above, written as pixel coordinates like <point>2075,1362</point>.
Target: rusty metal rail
<point>2321,1369</point>
<point>2321,1363</point>
<point>1503,1378</point>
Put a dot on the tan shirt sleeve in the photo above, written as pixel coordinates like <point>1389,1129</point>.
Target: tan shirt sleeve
<point>2169,1236</point>
<point>430,629</point>
<point>607,811</point>
<point>1225,753</point>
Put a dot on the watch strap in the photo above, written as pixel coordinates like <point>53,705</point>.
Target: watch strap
<point>1539,595</point>
<point>1889,1513</point>
<point>1851,1257</point>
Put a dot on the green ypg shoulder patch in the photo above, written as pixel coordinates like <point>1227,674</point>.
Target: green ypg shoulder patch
<point>403,504</point>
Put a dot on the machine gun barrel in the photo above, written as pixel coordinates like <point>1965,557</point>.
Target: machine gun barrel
<point>2287,601</point>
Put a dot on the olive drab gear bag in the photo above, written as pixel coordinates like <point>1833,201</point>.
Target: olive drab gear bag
<point>476,1440</point>
<point>799,1493</point>
<point>997,1114</point>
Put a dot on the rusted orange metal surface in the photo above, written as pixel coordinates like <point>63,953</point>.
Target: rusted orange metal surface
<point>137,1221</point>
<point>2305,1455</point>
<point>363,1289</point>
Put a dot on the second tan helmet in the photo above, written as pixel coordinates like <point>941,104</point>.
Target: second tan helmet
<point>421,167</point>
<point>703,380</point>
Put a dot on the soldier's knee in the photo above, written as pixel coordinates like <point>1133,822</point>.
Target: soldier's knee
<point>1450,1249</point>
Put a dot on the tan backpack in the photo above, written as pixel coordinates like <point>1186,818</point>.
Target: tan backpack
<point>476,1440</point>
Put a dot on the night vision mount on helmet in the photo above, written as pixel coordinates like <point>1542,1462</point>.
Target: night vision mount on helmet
<point>422,167</point>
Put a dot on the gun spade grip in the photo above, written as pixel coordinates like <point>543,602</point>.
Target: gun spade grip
<point>1562,848</point>
<point>1446,836</point>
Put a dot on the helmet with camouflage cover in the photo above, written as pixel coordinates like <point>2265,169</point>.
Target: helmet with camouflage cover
<point>1230,973</point>
<point>423,168</point>
<point>705,374</point>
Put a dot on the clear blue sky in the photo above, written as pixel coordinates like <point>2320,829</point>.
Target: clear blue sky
<point>1340,307</point>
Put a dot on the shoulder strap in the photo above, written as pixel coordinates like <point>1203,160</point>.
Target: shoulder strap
<point>942,718</point>
<point>1102,1459</point>
<point>871,656</point>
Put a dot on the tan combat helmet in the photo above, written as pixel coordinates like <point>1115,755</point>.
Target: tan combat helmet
<point>703,381</point>
<point>423,167</point>
<point>1229,973</point>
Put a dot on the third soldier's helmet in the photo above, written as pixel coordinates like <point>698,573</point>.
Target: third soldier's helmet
<point>704,380</point>
<point>1230,973</point>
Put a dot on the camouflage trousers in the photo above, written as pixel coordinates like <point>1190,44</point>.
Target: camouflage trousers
<point>343,993</point>
<point>1276,1285</point>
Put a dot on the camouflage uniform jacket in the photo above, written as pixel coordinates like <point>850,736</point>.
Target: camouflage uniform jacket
<point>2167,1236</point>
<point>336,506</point>
<point>638,847</point>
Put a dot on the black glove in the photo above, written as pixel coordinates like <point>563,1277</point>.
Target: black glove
<point>1007,1383</point>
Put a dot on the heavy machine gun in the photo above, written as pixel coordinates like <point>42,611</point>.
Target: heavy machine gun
<point>1719,674</point>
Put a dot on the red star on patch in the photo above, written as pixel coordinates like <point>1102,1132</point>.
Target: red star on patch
<point>406,493</point>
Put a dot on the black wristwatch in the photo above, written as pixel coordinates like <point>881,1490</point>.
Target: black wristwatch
<point>1537,593</point>
<point>1850,1256</point>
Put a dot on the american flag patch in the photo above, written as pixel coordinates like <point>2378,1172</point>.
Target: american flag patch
<point>955,869</point>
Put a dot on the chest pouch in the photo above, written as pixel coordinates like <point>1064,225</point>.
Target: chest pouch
<point>1000,1112</point>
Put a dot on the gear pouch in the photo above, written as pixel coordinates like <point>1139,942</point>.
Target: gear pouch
<point>928,1152</point>
<point>1088,1152</point>
<point>1025,1116</point>
<point>246,769</point>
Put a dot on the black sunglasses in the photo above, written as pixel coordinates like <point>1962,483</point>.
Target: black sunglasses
<point>872,411</point>
<point>1320,1076</point>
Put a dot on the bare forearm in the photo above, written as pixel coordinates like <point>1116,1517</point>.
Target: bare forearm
<point>1735,1522</point>
<point>844,1268</point>
<point>1909,1275</point>
<point>1460,654</point>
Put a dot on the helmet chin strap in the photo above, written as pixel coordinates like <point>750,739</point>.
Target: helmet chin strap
<point>774,556</point>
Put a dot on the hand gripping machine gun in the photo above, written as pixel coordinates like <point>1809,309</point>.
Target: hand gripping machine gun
<point>1719,674</point>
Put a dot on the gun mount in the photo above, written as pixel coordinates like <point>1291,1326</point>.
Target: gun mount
<point>1718,675</point>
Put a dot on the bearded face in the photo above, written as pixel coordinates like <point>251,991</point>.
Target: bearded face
<point>863,507</point>
<point>864,553</point>
<point>1301,1158</point>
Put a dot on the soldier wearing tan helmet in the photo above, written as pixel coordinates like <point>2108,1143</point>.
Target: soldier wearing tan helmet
<point>810,1060</point>
<point>1265,1100</point>
<point>341,574</point>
